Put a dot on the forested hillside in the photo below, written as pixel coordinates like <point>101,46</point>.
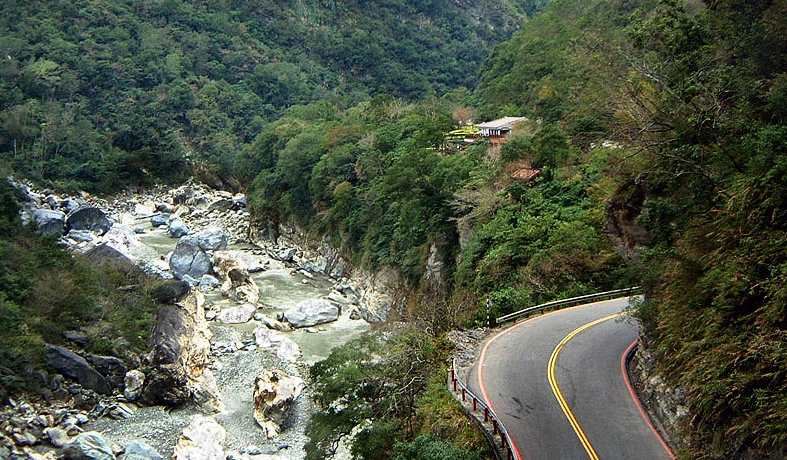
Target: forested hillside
<point>105,95</point>
<point>693,95</point>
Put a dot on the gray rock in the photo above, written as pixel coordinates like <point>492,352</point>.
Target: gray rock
<point>49,222</point>
<point>208,282</point>
<point>221,205</point>
<point>126,242</point>
<point>274,394</point>
<point>286,348</point>
<point>76,368</point>
<point>212,238</point>
<point>177,228</point>
<point>286,255</point>
<point>88,446</point>
<point>57,436</point>
<point>202,439</point>
<point>113,369</point>
<point>190,259</point>
<point>133,383</point>
<point>170,291</point>
<point>89,218</point>
<point>164,208</point>
<point>311,313</point>
<point>81,236</point>
<point>237,315</point>
<point>140,450</point>
<point>159,219</point>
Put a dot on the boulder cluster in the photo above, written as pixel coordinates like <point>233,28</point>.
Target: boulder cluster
<point>178,368</point>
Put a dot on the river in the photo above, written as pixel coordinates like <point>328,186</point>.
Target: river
<point>280,287</point>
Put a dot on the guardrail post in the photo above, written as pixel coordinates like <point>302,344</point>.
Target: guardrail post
<point>486,414</point>
<point>475,404</point>
<point>494,426</point>
<point>464,392</point>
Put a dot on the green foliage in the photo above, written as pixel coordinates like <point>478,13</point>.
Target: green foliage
<point>45,290</point>
<point>385,386</point>
<point>428,448</point>
<point>715,314</point>
<point>103,96</point>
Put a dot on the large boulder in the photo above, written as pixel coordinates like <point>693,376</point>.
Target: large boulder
<point>274,394</point>
<point>237,315</point>
<point>75,367</point>
<point>212,239</point>
<point>170,291</point>
<point>202,439</point>
<point>311,313</point>
<point>125,241</point>
<point>89,445</point>
<point>239,285</point>
<point>133,382</point>
<point>177,228</point>
<point>224,261</point>
<point>189,259</point>
<point>89,218</point>
<point>286,348</point>
<point>113,369</point>
<point>140,450</point>
<point>159,219</point>
<point>179,355</point>
<point>49,222</point>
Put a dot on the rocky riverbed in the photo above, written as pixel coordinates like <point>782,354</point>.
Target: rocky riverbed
<point>250,315</point>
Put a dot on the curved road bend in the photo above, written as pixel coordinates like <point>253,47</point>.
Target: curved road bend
<point>514,380</point>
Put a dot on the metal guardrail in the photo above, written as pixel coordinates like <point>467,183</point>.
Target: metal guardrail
<point>504,450</point>
<point>556,304</point>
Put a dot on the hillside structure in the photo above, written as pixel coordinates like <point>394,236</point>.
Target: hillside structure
<point>497,130</point>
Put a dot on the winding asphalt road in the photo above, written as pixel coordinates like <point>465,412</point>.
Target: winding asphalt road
<point>560,390</point>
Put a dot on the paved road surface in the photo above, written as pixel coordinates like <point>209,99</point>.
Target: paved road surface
<point>514,378</point>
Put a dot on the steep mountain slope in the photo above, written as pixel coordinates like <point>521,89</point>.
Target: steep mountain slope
<point>691,96</point>
<point>135,91</point>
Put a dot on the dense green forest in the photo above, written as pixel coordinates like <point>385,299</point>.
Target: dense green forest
<point>671,115</point>
<point>145,92</point>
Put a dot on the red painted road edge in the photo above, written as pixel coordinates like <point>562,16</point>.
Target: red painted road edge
<point>624,360</point>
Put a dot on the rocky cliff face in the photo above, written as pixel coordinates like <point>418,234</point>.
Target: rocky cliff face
<point>373,293</point>
<point>623,211</point>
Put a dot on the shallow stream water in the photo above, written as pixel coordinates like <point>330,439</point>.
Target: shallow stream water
<point>281,287</point>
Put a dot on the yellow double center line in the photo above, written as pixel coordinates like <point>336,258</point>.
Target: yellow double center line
<point>556,389</point>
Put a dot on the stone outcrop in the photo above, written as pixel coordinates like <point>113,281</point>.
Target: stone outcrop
<point>622,212</point>
<point>76,368</point>
<point>49,222</point>
<point>286,349</point>
<point>189,259</point>
<point>665,403</point>
<point>236,270</point>
<point>311,313</point>
<point>179,345</point>
<point>202,439</point>
<point>88,446</point>
<point>89,218</point>
<point>274,394</point>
